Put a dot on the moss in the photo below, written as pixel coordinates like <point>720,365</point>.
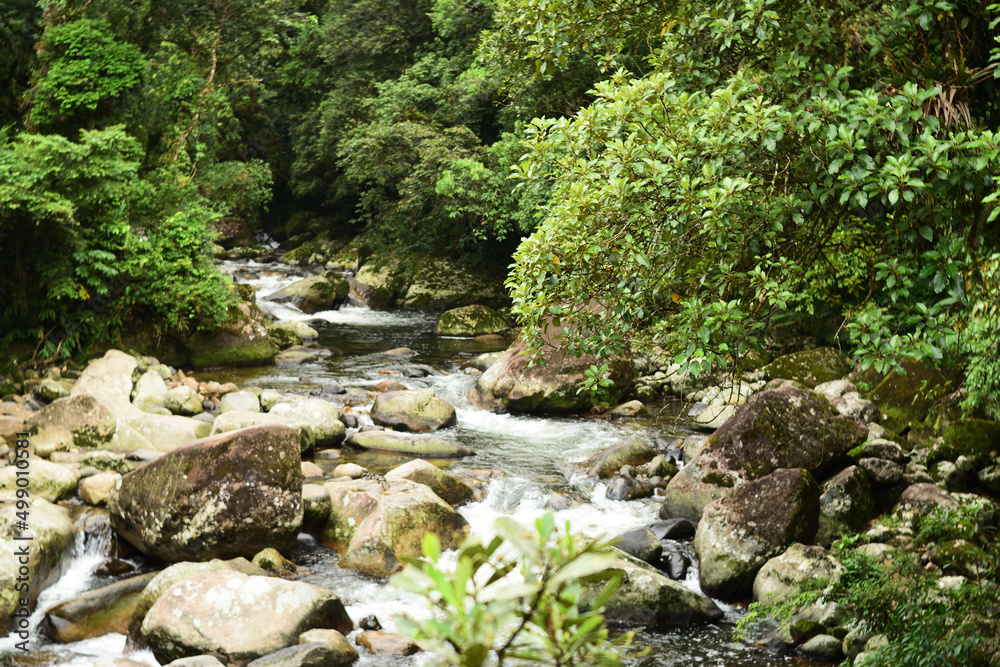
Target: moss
<point>718,479</point>
<point>810,367</point>
<point>977,439</point>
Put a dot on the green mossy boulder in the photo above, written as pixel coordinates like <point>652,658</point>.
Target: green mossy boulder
<point>448,487</point>
<point>472,321</point>
<point>976,439</point>
<point>288,333</point>
<point>607,462</point>
<point>417,410</point>
<point>378,286</point>
<point>810,367</point>
<point>790,572</point>
<point>242,341</point>
<point>317,293</point>
<point>904,400</point>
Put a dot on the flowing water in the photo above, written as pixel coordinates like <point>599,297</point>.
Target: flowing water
<point>540,456</point>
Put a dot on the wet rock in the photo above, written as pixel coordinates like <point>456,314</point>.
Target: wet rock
<point>310,469</point>
<point>648,597</point>
<point>150,392</point>
<point>295,356</point>
<point>676,559</point>
<point>470,321</point>
<point>244,401</point>
<point>422,446</point>
<point>448,487</point>
<point>272,562</point>
<point>332,389</point>
<point>313,654</point>
<point>50,389</point>
<point>50,481</point>
<point>236,617</point>
<point>196,661</point>
<point>550,388</point>
<point>414,410</point>
<point>292,332</point>
<point>193,503</point>
<point>627,410</point>
<point>315,505</point>
<point>845,505</point>
<point>662,468</point>
<point>781,428</point>
<point>317,293</point>
<point>786,574</point>
<point>342,653</point>
<point>399,352</point>
<point>740,532</point>
<point>105,610</point>
<point>183,400</point>
<point>352,470</point>
<point>607,462</point>
<point>482,362</point>
<point>389,385</point>
<point>673,529</point>
<point>641,543</point>
<point>51,531</point>
<point>373,527</point>
<point>236,420</point>
<point>96,489</point>
<point>386,644</point>
<point>810,367</point>
<point>322,417</point>
<point>628,488</point>
<point>370,623</point>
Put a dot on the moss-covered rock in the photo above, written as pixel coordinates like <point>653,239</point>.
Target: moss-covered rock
<point>440,284</point>
<point>231,232</point>
<point>192,504</point>
<point>810,367</point>
<point>99,612</point>
<point>608,462</point>
<point>288,333</point>
<point>976,439</point>
<point>472,321</point>
<point>50,481</point>
<point>448,487</point>
<point>422,446</point>
<point>845,505</point>
<point>418,410</point>
<point>778,428</point>
<point>373,527</point>
<point>310,295</point>
<point>740,532</point>
<point>378,285</point>
<point>242,341</point>
<point>904,400</point>
<point>798,566</point>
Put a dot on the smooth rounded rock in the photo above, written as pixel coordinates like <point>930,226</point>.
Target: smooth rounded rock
<point>417,410</point>
<point>246,401</point>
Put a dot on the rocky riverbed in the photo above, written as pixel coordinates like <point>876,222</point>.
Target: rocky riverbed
<point>193,501</point>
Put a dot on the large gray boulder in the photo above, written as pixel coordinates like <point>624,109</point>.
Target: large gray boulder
<point>228,495</point>
<point>417,410</point>
<point>788,573</point>
<point>374,527</point>
<point>423,446</point>
<point>317,293</point>
<point>648,597</point>
<point>50,530</point>
<point>845,505</point>
<point>322,417</point>
<point>238,618</point>
<point>550,388</point>
<point>779,428</point>
<point>743,530</point>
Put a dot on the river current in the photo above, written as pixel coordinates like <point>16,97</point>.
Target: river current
<point>539,456</point>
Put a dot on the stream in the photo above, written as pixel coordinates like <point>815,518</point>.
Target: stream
<point>540,456</point>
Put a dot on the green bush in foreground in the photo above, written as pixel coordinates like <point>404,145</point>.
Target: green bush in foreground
<point>483,617</point>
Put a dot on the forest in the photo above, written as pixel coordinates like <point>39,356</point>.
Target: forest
<point>709,174</point>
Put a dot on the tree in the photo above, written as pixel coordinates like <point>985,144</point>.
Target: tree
<point>766,145</point>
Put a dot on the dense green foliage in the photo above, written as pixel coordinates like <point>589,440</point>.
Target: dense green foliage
<point>774,157</point>
<point>925,623</point>
<point>484,618</point>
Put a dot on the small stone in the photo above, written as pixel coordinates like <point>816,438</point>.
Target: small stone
<point>310,469</point>
<point>342,653</point>
<point>96,489</point>
<point>183,400</point>
<point>641,543</point>
<point>352,470</point>
<point>370,623</point>
<point>386,643</point>
<point>823,647</point>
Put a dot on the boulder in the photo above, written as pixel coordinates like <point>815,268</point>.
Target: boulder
<point>976,439</point>
<point>845,505</point>
<point>439,284</point>
<point>472,321</point>
<point>607,462</point>
<point>342,651</point>
<point>810,367</point>
<point>648,597</point>
<point>627,410</point>
<point>183,400</point>
<point>312,654</point>
<point>373,527</point>
<point>448,487</point>
<point>244,401</point>
<point>173,574</point>
<point>322,417</point>
<point>823,647</point>
<point>778,428</point>
<point>50,481</point>
<point>786,574</point>
<point>315,505</point>
<point>227,495</point>
<point>549,388</point>
<point>422,446</point>
<point>416,410</point>
<point>96,489</point>
<point>710,417</point>
<point>150,392</point>
<point>743,530</point>
<point>881,472</point>
<point>922,499</point>
<point>51,532</point>
<point>238,618</point>
<point>627,487</point>
<point>352,470</point>
<point>237,420</point>
<point>900,405</point>
<point>99,612</point>
<point>856,407</point>
<point>231,231</point>
<point>291,332</point>
<point>310,295</point>
<point>241,341</point>
<point>641,543</point>
<point>387,644</point>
